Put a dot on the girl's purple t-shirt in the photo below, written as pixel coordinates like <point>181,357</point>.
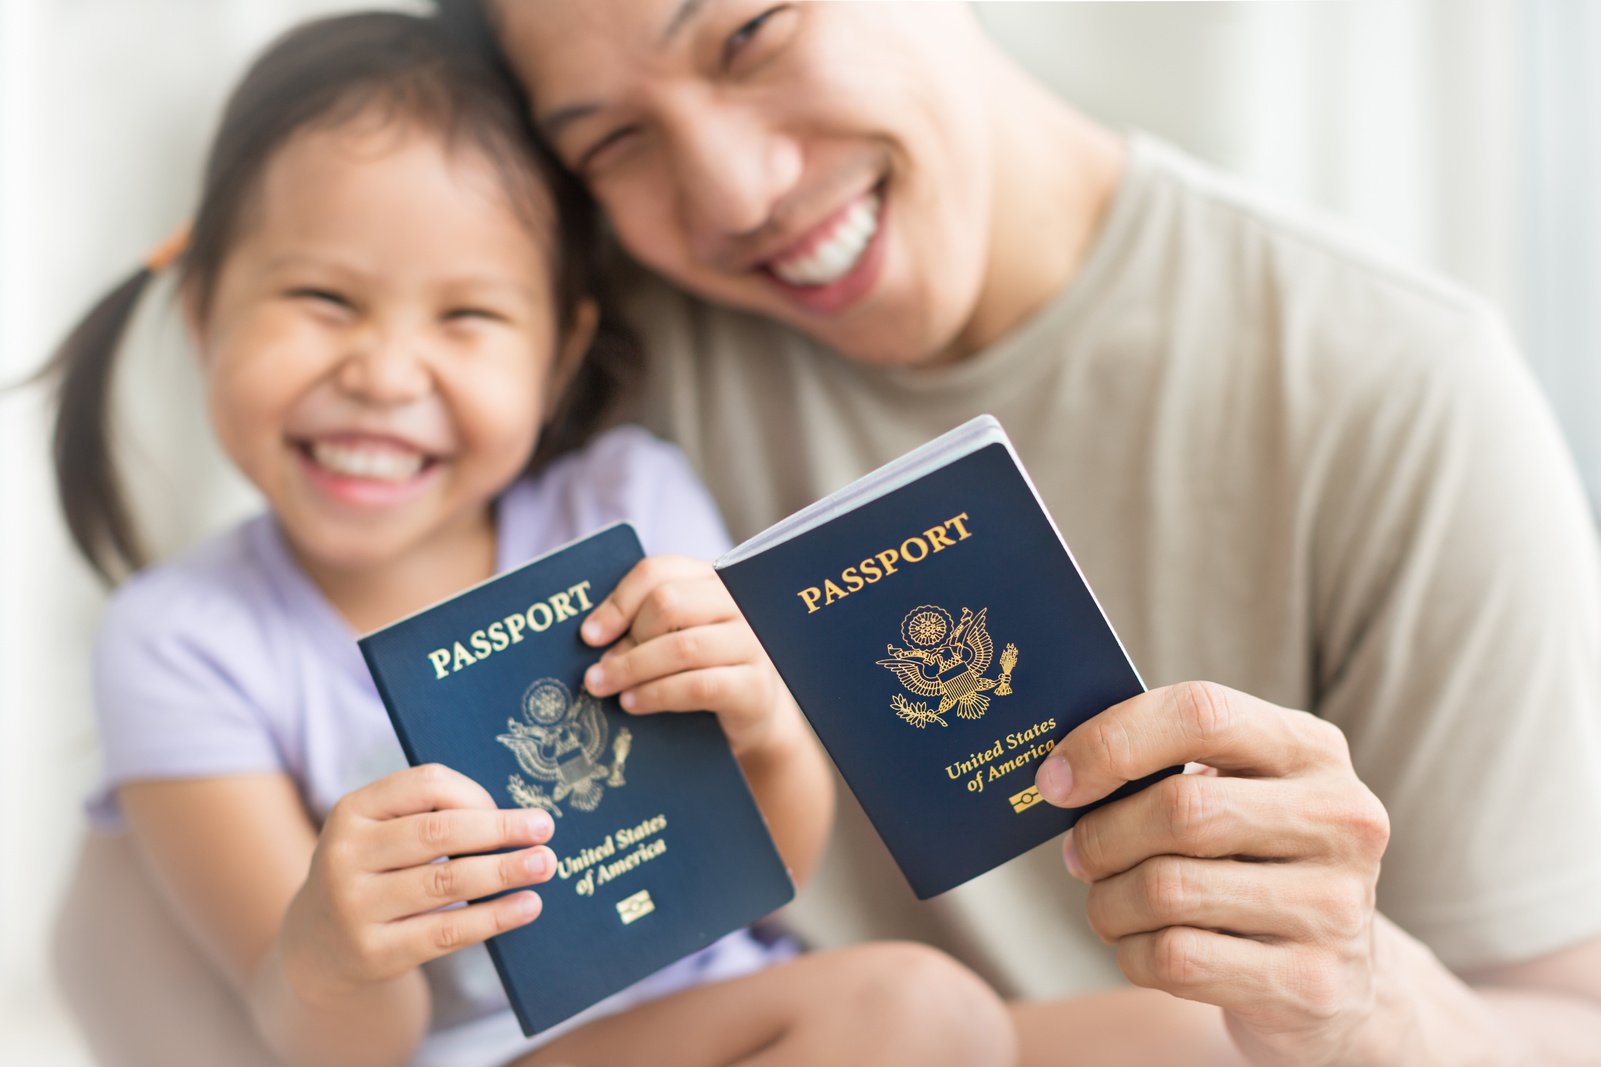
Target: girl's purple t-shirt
<point>229,660</point>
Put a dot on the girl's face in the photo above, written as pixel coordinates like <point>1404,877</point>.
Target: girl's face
<point>380,343</point>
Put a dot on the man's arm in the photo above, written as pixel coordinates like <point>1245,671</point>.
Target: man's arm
<point>1548,1009</point>
<point>1254,889</point>
<point>1148,1027</point>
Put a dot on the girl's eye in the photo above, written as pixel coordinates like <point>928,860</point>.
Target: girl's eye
<point>470,313</point>
<point>741,39</point>
<point>322,296</point>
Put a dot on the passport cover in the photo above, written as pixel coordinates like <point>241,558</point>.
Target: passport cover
<point>661,849</point>
<point>940,638</point>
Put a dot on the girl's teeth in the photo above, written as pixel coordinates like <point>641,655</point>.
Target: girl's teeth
<point>834,257</point>
<point>379,464</point>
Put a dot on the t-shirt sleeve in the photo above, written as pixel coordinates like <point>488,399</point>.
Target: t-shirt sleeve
<point>1462,655</point>
<point>652,486</point>
<point>179,675</point>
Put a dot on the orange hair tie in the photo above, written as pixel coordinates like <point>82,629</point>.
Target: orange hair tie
<point>166,253</point>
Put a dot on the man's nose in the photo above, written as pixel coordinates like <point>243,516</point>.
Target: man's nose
<point>731,171</point>
<point>385,364</point>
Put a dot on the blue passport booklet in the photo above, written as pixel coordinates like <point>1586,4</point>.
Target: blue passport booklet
<point>931,623</point>
<point>661,849</point>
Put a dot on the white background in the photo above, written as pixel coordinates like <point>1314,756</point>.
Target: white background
<point>1463,134</point>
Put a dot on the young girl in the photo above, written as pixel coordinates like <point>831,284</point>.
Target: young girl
<point>390,292</point>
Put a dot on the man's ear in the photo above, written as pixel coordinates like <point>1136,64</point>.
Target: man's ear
<point>571,351</point>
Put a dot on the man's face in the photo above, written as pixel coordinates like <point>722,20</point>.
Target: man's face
<point>824,164</point>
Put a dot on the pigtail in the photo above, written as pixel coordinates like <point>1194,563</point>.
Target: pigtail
<point>87,485</point>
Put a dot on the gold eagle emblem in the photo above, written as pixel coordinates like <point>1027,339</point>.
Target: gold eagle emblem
<point>560,741</point>
<point>947,660</point>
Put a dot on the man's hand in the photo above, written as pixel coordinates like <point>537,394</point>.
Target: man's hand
<point>1250,885</point>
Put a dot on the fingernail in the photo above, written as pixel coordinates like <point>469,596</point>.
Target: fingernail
<point>539,864</point>
<point>592,630</point>
<point>1070,857</point>
<point>594,678</point>
<point>526,904</point>
<point>1055,780</point>
<point>627,700</point>
<point>539,823</point>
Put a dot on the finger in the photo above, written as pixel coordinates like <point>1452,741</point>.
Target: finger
<point>425,937</point>
<point>622,645</point>
<point>713,687</point>
<point>1196,815</point>
<point>1236,974</point>
<point>1288,901</point>
<point>679,604</point>
<point>412,840</point>
<point>1194,721</point>
<point>428,787</point>
<point>614,615</point>
<point>431,886</point>
<point>719,644</point>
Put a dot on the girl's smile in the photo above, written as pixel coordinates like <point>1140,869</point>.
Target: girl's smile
<point>364,471</point>
<point>377,371</point>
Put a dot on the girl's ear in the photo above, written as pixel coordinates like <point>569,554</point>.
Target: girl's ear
<point>189,302</point>
<point>570,354</point>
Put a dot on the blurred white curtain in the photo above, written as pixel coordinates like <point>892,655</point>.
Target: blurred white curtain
<point>1560,209</point>
<point>1461,133</point>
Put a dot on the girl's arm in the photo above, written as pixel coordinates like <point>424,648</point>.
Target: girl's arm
<point>322,935</point>
<point>679,643</point>
<point>231,853</point>
<point>789,776</point>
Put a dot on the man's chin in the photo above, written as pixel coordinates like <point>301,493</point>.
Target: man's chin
<point>864,334</point>
<point>870,336</point>
<point>877,348</point>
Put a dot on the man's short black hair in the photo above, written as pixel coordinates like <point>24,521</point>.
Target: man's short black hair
<point>468,21</point>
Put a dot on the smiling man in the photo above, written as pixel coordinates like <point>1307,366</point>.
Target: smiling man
<point>861,210</point>
<point>1320,481</point>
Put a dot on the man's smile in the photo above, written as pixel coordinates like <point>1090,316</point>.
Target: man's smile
<point>829,252</point>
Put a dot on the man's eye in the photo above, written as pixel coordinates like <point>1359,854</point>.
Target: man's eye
<point>741,38</point>
<point>604,147</point>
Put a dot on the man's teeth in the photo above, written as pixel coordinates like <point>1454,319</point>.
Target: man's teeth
<point>379,464</point>
<point>834,257</point>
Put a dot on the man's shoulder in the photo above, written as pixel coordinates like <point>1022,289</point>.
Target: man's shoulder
<point>1291,251</point>
<point>1286,294</point>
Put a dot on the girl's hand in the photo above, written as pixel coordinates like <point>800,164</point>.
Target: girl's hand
<point>682,645</point>
<point>370,907</point>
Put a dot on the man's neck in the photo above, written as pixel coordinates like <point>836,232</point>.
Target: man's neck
<point>1056,174</point>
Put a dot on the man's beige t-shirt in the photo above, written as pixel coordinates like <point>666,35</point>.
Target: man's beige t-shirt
<point>1283,465</point>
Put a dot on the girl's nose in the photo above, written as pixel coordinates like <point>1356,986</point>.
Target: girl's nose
<point>385,367</point>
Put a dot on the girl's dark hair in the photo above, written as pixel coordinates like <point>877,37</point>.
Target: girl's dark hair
<point>408,69</point>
